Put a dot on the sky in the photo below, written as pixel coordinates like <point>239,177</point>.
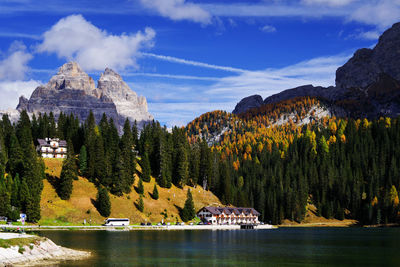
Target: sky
<point>187,57</point>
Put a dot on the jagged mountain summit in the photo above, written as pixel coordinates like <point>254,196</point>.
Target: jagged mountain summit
<point>72,90</point>
<point>368,85</point>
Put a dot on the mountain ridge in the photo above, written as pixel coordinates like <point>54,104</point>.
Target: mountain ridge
<point>72,90</point>
<point>367,85</point>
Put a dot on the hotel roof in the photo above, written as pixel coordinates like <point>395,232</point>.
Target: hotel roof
<point>230,210</point>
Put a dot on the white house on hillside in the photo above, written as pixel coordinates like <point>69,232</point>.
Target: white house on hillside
<point>52,148</point>
<point>228,215</point>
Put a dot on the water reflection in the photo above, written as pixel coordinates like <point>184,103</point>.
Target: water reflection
<point>290,246</point>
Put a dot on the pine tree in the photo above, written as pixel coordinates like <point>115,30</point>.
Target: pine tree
<point>5,203</point>
<point>83,159</point>
<point>188,211</point>
<point>68,174</point>
<point>140,189</point>
<point>140,204</point>
<point>103,202</point>
<point>155,192</point>
<point>146,169</point>
<point>182,166</point>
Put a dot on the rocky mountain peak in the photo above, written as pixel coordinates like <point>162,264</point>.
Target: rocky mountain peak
<point>71,76</point>
<point>247,103</point>
<point>70,68</point>
<point>366,66</point>
<point>72,90</point>
<point>110,74</point>
<point>127,102</point>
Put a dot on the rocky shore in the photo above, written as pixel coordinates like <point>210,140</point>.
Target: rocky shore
<point>39,252</point>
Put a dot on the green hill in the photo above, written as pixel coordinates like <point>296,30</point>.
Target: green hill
<point>80,206</point>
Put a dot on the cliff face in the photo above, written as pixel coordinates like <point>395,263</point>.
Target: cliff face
<point>366,66</point>
<point>127,102</point>
<point>71,90</point>
<point>247,103</point>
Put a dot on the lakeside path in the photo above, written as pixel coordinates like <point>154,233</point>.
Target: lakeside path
<point>29,250</point>
<point>138,227</point>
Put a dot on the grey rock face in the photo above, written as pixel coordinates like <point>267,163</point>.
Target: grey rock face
<point>366,65</point>
<point>71,90</point>
<point>247,103</point>
<point>302,91</point>
<point>127,103</point>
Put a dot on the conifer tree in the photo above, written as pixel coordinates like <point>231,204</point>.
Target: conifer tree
<point>103,202</point>
<point>146,169</point>
<point>128,157</point>
<point>68,174</point>
<point>182,166</point>
<point>140,188</point>
<point>188,211</point>
<point>165,177</point>
<point>118,177</point>
<point>83,159</point>
<point>15,197</point>
<point>155,192</point>
<point>5,203</point>
<point>140,204</point>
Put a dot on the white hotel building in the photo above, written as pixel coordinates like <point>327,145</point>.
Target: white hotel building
<point>228,215</point>
<point>52,148</point>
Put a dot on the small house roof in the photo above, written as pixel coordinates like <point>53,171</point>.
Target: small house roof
<point>46,142</point>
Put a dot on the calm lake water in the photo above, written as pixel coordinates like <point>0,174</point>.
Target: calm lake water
<point>280,247</point>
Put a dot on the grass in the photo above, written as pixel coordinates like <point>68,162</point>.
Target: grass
<point>79,207</point>
<point>312,219</point>
<point>21,242</point>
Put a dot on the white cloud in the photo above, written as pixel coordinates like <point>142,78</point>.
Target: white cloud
<point>193,63</point>
<point>382,13</point>
<point>15,63</point>
<point>10,91</point>
<point>169,76</point>
<point>367,35</point>
<point>75,38</point>
<point>13,69</point>
<point>317,71</point>
<point>268,29</point>
<point>179,10</point>
<point>328,2</point>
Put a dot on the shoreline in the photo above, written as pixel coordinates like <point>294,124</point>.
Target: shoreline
<point>138,227</point>
<point>31,250</point>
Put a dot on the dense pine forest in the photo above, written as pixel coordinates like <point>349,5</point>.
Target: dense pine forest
<point>347,168</point>
<point>104,155</point>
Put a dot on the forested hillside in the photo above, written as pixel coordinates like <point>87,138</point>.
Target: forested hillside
<point>347,168</point>
<point>108,161</point>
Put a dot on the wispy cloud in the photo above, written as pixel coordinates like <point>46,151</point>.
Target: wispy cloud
<point>170,76</point>
<point>194,63</point>
<point>20,35</point>
<point>268,29</point>
<point>328,2</point>
<point>188,100</point>
<point>179,10</point>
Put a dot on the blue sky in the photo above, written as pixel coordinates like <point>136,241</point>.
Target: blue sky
<point>187,57</point>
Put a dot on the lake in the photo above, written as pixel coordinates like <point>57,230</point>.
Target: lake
<point>280,247</point>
